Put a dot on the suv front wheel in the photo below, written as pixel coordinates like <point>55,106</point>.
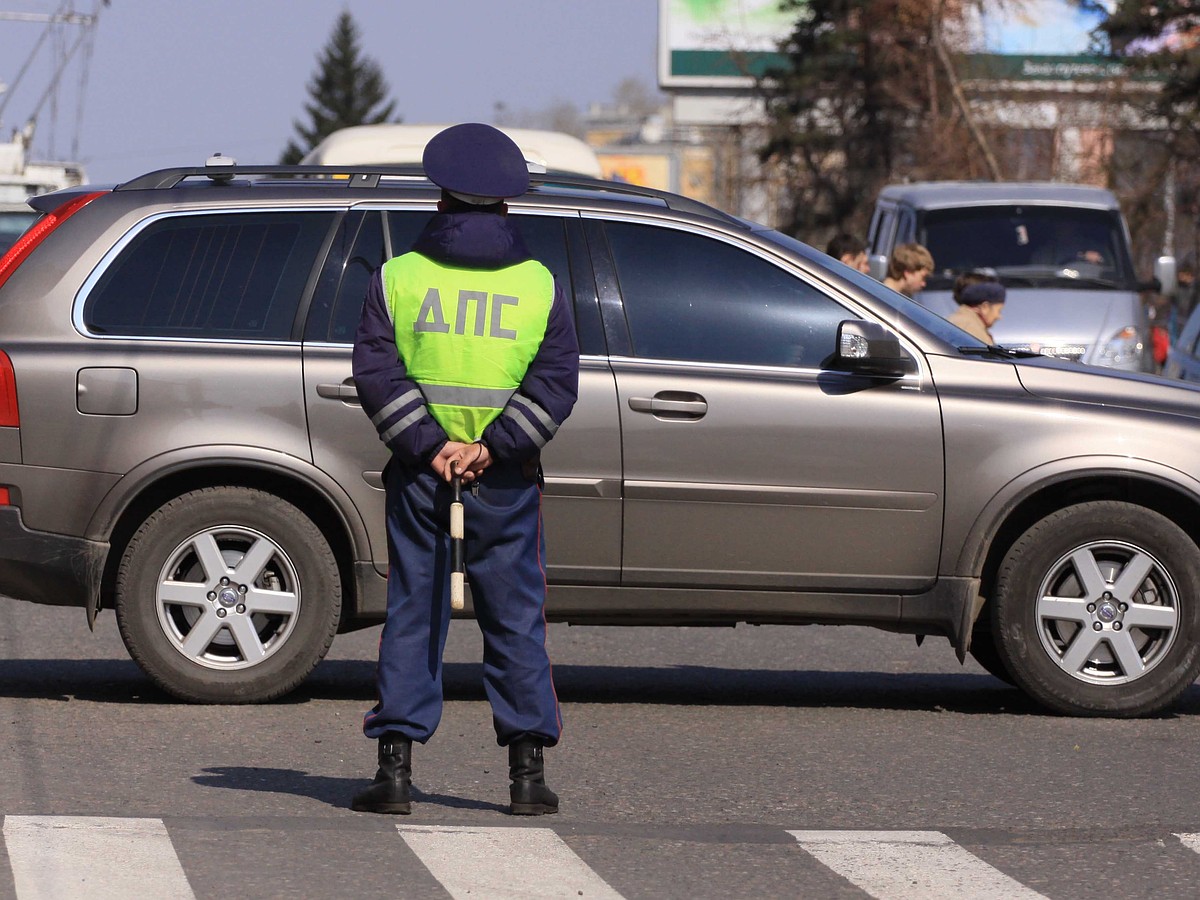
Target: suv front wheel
<point>228,595</point>
<point>1097,610</point>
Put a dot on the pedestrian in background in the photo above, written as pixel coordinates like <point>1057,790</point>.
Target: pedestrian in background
<point>908,268</point>
<point>466,359</point>
<point>1183,300</point>
<point>850,250</point>
<point>980,297</point>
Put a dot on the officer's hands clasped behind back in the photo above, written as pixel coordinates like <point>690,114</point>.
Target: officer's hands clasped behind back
<point>468,460</point>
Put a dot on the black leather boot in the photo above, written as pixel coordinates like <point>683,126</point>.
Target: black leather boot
<point>528,791</point>
<point>390,792</point>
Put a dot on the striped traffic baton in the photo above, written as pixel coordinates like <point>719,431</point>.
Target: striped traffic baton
<point>458,567</point>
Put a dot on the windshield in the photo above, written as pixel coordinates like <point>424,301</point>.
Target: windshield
<point>13,225</point>
<point>1029,246</point>
<point>904,309</point>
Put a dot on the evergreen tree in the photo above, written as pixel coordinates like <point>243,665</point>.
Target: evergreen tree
<point>347,89</point>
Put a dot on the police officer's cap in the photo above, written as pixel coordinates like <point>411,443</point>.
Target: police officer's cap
<point>476,162</point>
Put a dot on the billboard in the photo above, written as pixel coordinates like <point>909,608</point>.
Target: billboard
<point>719,43</point>
<point>726,43</point>
<point>1039,40</point>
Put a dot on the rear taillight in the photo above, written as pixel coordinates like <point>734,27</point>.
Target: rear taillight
<point>8,393</point>
<point>37,233</point>
<point>4,498</point>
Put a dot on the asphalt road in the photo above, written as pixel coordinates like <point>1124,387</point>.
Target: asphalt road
<point>688,759</point>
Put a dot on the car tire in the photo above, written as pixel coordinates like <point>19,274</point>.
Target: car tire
<point>228,595</point>
<point>1097,610</point>
<point>985,652</point>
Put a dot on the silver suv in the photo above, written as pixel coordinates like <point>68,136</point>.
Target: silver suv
<point>1062,250</point>
<point>762,435</point>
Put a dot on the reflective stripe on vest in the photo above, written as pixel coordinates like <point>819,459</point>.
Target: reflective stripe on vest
<point>467,335</point>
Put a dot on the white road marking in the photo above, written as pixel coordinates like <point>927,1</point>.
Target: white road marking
<point>504,862</point>
<point>93,858</point>
<point>1191,841</point>
<point>910,865</point>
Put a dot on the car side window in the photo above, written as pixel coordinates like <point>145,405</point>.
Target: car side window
<point>545,236</point>
<point>356,252</point>
<point>405,227</point>
<point>882,226</point>
<point>214,276</point>
<point>690,297</point>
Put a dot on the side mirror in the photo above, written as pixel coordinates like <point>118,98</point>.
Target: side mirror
<point>878,264</point>
<point>870,349</point>
<point>1167,273</point>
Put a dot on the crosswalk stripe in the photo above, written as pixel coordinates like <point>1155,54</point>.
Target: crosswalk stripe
<point>504,862</point>
<point>1190,840</point>
<point>93,858</point>
<point>899,865</point>
<point>112,858</point>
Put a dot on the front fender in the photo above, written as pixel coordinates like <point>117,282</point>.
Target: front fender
<point>978,541</point>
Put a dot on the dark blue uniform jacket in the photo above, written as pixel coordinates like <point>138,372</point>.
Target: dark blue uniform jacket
<point>474,240</point>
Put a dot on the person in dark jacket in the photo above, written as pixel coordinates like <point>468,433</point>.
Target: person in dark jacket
<point>466,360</point>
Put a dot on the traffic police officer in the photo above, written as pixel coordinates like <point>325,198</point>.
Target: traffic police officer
<point>466,359</point>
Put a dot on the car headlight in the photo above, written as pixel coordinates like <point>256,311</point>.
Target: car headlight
<point>1123,347</point>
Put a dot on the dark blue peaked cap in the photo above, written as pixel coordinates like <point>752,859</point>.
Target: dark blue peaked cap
<point>477,160</point>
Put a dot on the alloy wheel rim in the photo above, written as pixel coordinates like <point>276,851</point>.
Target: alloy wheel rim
<point>228,597</point>
<point>1107,612</point>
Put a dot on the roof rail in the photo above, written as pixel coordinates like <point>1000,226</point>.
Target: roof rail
<point>359,176</point>
<point>671,201</point>
<point>370,176</point>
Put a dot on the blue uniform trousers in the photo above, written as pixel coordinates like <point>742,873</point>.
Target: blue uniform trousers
<point>505,558</point>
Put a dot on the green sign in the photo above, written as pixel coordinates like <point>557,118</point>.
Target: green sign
<point>1008,67</point>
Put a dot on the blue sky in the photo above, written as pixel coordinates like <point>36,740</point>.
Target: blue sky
<point>172,81</point>
<point>1041,27</point>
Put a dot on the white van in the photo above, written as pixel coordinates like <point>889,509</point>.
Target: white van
<point>1061,250</point>
<point>369,145</point>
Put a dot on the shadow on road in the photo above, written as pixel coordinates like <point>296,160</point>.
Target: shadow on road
<point>712,686</point>
<point>334,791</point>
<point>120,681</point>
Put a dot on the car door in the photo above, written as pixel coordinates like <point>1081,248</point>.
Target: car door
<point>882,230</point>
<point>343,441</point>
<point>582,464</point>
<point>747,464</point>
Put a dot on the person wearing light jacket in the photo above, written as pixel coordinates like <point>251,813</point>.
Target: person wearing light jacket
<point>980,298</point>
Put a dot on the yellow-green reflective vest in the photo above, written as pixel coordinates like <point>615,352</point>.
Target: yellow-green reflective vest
<point>467,335</point>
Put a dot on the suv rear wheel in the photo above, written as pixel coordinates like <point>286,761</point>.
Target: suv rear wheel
<point>1097,610</point>
<point>228,595</point>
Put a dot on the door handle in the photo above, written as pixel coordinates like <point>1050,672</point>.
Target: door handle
<point>671,405</point>
<point>346,391</point>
